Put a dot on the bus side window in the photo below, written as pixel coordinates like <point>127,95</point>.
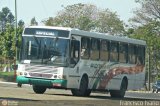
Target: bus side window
<point>85,47</point>
<point>123,52</point>
<point>132,54</point>
<point>95,43</point>
<point>114,51</point>
<point>75,47</point>
<point>104,52</point>
<point>140,55</point>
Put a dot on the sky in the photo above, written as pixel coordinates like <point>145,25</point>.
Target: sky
<point>42,9</point>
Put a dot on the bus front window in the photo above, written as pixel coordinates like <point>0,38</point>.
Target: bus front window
<point>40,50</point>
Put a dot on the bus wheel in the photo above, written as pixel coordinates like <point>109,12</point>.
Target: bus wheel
<point>88,92</point>
<point>19,85</point>
<point>83,90</point>
<point>120,93</point>
<point>153,90</point>
<point>39,89</point>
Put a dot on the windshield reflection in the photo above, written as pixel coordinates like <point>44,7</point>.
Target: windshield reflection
<point>40,50</point>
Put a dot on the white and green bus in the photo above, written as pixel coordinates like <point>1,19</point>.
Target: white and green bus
<point>66,58</point>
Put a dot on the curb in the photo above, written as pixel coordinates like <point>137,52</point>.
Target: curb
<point>140,91</point>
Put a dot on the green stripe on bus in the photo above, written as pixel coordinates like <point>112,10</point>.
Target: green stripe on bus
<point>60,81</point>
<point>41,81</point>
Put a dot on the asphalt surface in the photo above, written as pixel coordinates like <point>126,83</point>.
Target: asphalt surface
<point>11,95</point>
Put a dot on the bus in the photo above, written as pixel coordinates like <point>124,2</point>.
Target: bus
<point>80,61</point>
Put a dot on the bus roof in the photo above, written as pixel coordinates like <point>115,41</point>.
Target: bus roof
<point>51,27</point>
<point>95,35</point>
<point>108,37</point>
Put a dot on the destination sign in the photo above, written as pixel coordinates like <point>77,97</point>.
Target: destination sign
<point>46,32</point>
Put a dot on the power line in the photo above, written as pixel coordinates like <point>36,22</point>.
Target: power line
<point>44,8</point>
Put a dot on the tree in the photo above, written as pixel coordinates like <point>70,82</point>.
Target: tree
<point>21,24</point>
<point>148,19</point>
<point>8,43</point>
<point>76,16</point>
<point>149,11</point>
<point>33,22</point>
<point>19,35</point>
<point>6,17</point>
<point>87,17</point>
<point>149,34</point>
<point>7,35</point>
<point>147,27</point>
<point>108,22</point>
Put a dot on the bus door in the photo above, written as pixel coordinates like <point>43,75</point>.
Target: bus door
<point>74,64</point>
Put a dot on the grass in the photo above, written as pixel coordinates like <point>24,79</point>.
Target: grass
<point>7,76</point>
<point>6,73</point>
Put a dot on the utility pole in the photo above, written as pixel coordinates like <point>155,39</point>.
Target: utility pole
<point>16,24</point>
<point>149,69</point>
<point>15,39</point>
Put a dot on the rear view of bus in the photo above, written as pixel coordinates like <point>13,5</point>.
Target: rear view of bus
<point>43,56</point>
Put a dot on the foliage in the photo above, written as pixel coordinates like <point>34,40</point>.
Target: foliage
<point>6,73</point>
<point>87,17</point>
<point>147,27</point>
<point>7,40</point>
<point>33,22</point>
<point>7,35</point>
<point>21,24</point>
<point>109,22</point>
<point>157,77</point>
<point>149,11</point>
<point>6,17</point>
<point>19,33</point>
<point>149,33</point>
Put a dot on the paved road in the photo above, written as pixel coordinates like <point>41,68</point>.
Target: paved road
<point>25,96</point>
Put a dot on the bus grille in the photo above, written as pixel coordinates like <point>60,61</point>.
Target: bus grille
<point>40,75</point>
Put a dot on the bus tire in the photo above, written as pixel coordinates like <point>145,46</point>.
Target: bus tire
<point>88,92</point>
<point>120,93</point>
<point>83,90</point>
<point>39,89</point>
<point>19,85</point>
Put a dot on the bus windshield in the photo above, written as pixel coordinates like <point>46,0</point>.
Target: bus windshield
<point>44,50</point>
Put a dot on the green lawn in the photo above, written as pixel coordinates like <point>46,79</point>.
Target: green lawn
<point>7,76</point>
<point>6,73</point>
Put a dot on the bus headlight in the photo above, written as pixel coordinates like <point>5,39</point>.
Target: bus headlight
<point>19,73</point>
<point>22,73</point>
<point>25,73</point>
<point>55,76</point>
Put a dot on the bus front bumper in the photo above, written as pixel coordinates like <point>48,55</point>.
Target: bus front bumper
<point>55,83</point>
